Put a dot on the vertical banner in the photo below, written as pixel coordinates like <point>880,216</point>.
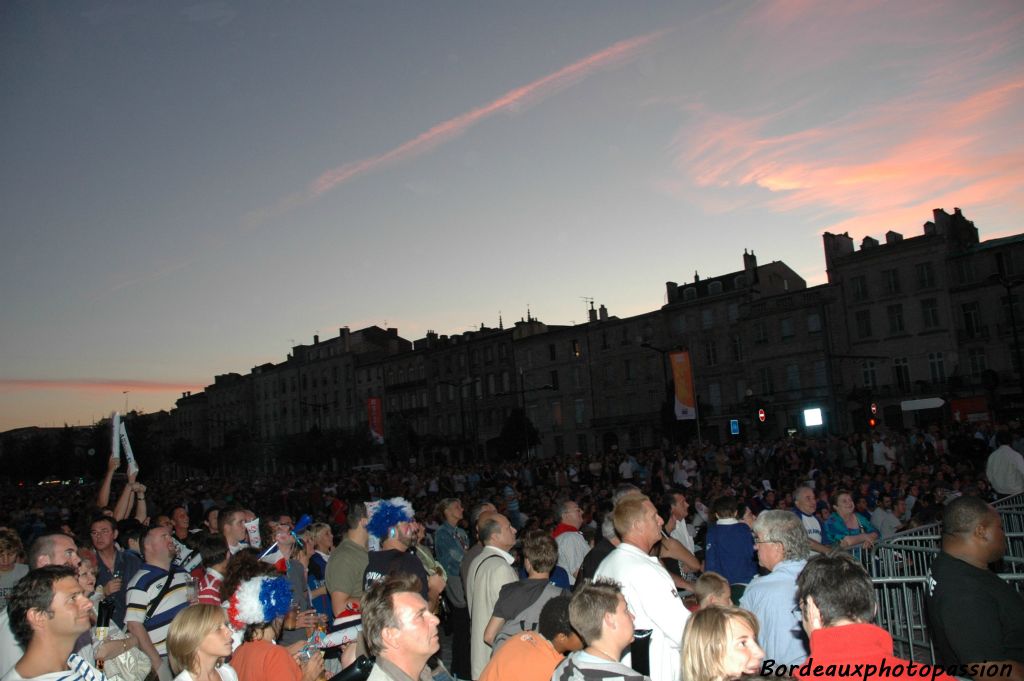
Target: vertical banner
<point>375,418</point>
<point>682,376</point>
<point>129,456</point>
<point>115,440</point>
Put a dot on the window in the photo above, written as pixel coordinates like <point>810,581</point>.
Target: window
<point>972,319</point>
<point>577,349</point>
<point>506,381</point>
<point>765,379</point>
<point>929,313</point>
<point>711,353</point>
<point>707,318</point>
<point>714,288</point>
<point>491,384</point>
<point>813,322</point>
<point>715,395</point>
<point>786,327</point>
<point>581,443</point>
<point>965,271</point>
<point>859,288</point>
<point>901,373</point>
<point>489,354</point>
<point>579,409</point>
<point>792,377</point>
<point>895,314</point>
<point>820,376</point>
<point>936,367</point>
<point>734,313</point>
<point>577,377</point>
<point>1011,309</point>
<point>863,321</point>
<point>690,293</point>
<point>679,324</point>
<point>627,370</point>
<point>760,332</point>
<point>737,348</point>
<point>552,355</point>
<point>554,379</point>
<point>976,361</point>
<point>556,414</point>
<point>925,274</point>
<point>868,375</point>
<point>891,281</point>
<point>1004,262</point>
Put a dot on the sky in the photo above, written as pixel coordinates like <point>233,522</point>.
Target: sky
<point>191,188</point>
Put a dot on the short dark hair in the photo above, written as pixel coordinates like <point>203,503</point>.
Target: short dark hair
<point>100,518</point>
<point>840,587</point>
<point>554,618</point>
<point>963,514</point>
<point>34,592</point>
<point>725,507</point>
<point>212,547</point>
<point>541,549</point>
<point>130,529</point>
<point>378,607</point>
<point>356,512</point>
<point>226,514</point>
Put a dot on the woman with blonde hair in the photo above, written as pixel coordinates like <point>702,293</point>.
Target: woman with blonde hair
<point>197,643</point>
<point>720,644</point>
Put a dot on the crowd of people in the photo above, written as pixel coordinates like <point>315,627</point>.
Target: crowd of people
<point>707,562</point>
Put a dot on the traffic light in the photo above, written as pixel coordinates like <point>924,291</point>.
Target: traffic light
<point>872,422</point>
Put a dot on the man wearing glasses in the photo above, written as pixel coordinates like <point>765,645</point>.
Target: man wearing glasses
<point>115,568</point>
<point>782,548</point>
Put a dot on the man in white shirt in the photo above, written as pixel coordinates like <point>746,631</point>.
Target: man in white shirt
<point>804,505</point>
<point>647,586</point>
<point>1005,467</point>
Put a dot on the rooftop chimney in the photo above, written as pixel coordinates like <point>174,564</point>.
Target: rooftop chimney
<point>602,313</point>
<point>592,313</point>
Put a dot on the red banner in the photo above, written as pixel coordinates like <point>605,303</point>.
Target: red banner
<point>375,418</point>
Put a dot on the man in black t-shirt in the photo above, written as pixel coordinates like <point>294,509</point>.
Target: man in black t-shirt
<point>974,617</point>
<point>392,523</point>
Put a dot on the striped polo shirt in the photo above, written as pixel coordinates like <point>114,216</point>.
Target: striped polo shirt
<point>144,588</point>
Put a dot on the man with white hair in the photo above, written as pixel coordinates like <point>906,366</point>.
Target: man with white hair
<point>572,547</point>
<point>782,548</point>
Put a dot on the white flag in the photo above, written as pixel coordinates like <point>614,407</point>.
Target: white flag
<point>115,433</point>
<point>128,455</point>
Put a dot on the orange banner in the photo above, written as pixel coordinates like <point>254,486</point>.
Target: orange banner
<point>682,375</point>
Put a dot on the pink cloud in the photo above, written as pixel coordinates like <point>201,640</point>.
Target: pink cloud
<point>98,384</point>
<point>890,163</point>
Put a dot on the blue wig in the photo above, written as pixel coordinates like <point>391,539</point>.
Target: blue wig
<point>386,514</point>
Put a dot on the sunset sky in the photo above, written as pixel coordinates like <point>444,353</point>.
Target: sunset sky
<point>188,189</point>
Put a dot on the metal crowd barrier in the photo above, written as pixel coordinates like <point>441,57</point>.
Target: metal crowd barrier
<point>899,569</point>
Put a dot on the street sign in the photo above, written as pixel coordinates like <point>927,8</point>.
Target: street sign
<point>926,403</point>
<point>874,408</point>
<point>734,426</point>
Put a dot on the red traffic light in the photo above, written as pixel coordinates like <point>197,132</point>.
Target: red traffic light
<point>872,422</point>
<point>760,415</point>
